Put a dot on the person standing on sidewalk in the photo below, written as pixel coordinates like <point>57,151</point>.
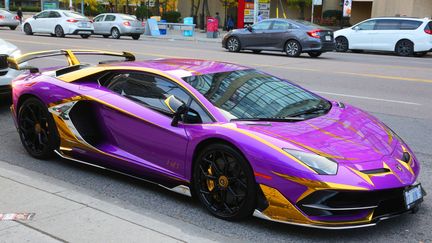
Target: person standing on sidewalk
<point>218,19</point>
<point>20,14</point>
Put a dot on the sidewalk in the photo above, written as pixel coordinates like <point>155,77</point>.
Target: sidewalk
<point>62,214</point>
<point>198,36</point>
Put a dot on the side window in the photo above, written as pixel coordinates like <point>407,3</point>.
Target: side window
<point>54,14</point>
<point>280,25</point>
<point>99,18</point>
<point>368,25</point>
<point>263,25</point>
<point>197,109</point>
<point>43,14</point>
<point>410,24</point>
<point>387,24</point>
<point>110,18</point>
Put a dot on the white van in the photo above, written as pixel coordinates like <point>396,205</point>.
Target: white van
<point>404,36</point>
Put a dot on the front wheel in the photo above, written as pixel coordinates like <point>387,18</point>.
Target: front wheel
<point>224,182</point>
<point>37,129</point>
<point>28,29</point>
<point>404,48</point>
<point>85,36</point>
<point>314,54</point>
<point>293,48</point>
<point>233,44</point>
<point>341,44</point>
<point>59,31</point>
<point>136,37</point>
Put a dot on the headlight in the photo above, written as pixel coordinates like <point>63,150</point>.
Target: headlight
<point>15,54</point>
<point>321,165</point>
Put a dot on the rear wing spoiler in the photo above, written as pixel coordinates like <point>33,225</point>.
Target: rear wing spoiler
<point>71,57</point>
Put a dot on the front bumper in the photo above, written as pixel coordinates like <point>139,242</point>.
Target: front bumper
<point>334,209</point>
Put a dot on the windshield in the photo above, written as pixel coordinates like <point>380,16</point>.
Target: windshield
<point>304,22</point>
<point>73,15</point>
<point>250,94</point>
<point>127,17</point>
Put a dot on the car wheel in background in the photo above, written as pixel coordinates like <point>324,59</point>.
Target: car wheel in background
<point>404,48</point>
<point>115,33</point>
<point>314,53</point>
<point>58,30</point>
<point>224,182</point>
<point>293,48</point>
<point>136,37</point>
<point>106,36</point>
<point>28,29</point>
<point>233,44</point>
<point>420,54</point>
<point>37,129</point>
<point>12,27</point>
<point>341,44</point>
<point>256,51</point>
<point>85,36</point>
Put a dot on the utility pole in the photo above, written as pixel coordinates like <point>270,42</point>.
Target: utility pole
<point>256,7</point>
<point>70,5</point>
<point>82,7</point>
<point>312,14</point>
<point>7,4</point>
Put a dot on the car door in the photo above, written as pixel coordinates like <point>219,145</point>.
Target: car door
<point>53,19</point>
<point>280,32</point>
<point>108,23</point>
<point>361,36</point>
<point>258,37</point>
<point>38,23</point>
<point>98,24</point>
<point>140,123</point>
<point>386,34</point>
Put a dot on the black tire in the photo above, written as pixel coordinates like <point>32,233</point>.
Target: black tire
<point>342,44</point>
<point>314,54</point>
<point>136,37</point>
<point>37,129</point>
<point>85,36</point>
<point>28,29</point>
<point>105,36</point>
<point>404,48</point>
<point>233,44</point>
<point>12,27</point>
<point>293,48</point>
<point>256,51</point>
<point>115,33</point>
<point>420,54</point>
<point>224,182</point>
<point>59,32</point>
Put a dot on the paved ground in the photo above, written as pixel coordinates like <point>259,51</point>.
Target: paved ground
<point>397,90</point>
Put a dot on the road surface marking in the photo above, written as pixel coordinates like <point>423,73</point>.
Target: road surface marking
<point>368,98</point>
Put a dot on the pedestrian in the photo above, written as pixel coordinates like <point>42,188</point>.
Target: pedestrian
<point>260,17</point>
<point>218,19</point>
<point>20,15</point>
<point>230,23</point>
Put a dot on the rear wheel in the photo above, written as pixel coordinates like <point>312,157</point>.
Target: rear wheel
<point>224,182</point>
<point>136,37</point>
<point>115,33</point>
<point>404,48</point>
<point>59,31</point>
<point>293,48</point>
<point>233,44</point>
<point>28,29</point>
<point>315,54</point>
<point>341,44</point>
<point>37,129</point>
<point>12,27</point>
<point>85,36</point>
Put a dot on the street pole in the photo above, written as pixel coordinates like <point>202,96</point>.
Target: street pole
<point>70,5</point>
<point>7,4</point>
<point>82,7</point>
<point>256,4</point>
<point>312,14</point>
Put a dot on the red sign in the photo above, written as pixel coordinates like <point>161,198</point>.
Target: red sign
<point>212,24</point>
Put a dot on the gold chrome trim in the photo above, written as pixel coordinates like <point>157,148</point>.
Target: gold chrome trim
<point>364,176</point>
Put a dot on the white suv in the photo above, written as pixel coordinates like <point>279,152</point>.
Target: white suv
<point>404,36</point>
<point>59,23</point>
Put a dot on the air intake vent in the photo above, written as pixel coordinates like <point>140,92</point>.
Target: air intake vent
<point>375,171</point>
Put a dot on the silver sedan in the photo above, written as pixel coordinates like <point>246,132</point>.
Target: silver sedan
<point>116,25</point>
<point>8,19</point>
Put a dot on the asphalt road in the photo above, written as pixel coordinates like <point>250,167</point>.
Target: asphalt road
<point>395,89</point>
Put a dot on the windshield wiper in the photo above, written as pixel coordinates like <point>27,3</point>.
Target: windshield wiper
<point>273,119</point>
<point>316,109</point>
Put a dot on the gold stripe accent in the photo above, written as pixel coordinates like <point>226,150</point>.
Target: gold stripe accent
<point>393,172</point>
<point>362,175</point>
<point>406,165</point>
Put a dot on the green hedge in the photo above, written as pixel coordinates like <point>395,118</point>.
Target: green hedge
<point>25,8</point>
<point>171,16</point>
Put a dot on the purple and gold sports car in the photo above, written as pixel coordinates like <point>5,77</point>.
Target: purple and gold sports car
<point>242,141</point>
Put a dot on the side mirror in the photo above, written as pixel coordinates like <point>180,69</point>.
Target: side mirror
<point>3,61</point>
<point>177,107</point>
<point>35,17</point>
<point>249,28</point>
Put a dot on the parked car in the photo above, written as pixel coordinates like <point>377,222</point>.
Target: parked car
<point>404,36</point>
<point>242,141</point>
<point>8,19</point>
<point>6,73</point>
<point>290,36</point>
<point>116,25</point>
<point>59,23</point>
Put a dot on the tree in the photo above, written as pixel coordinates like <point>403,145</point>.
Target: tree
<point>195,7</point>
<point>300,4</point>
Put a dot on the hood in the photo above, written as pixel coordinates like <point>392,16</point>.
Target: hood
<point>6,47</point>
<point>347,135</point>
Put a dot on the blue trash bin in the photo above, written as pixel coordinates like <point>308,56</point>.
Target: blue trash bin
<point>163,31</point>
<point>188,20</point>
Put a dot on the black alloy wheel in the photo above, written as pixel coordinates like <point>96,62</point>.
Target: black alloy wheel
<point>314,54</point>
<point>28,29</point>
<point>115,33</point>
<point>36,129</point>
<point>404,48</point>
<point>342,44</point>
<point>59,31</point>
<point>224,182</point>
<point>293,48</point>
<point>233,44</point>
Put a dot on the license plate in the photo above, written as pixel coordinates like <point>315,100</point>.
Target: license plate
<point>84,32</point>
<point>412,196</point>
<point>84,25</point>
<point>328,38</point>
